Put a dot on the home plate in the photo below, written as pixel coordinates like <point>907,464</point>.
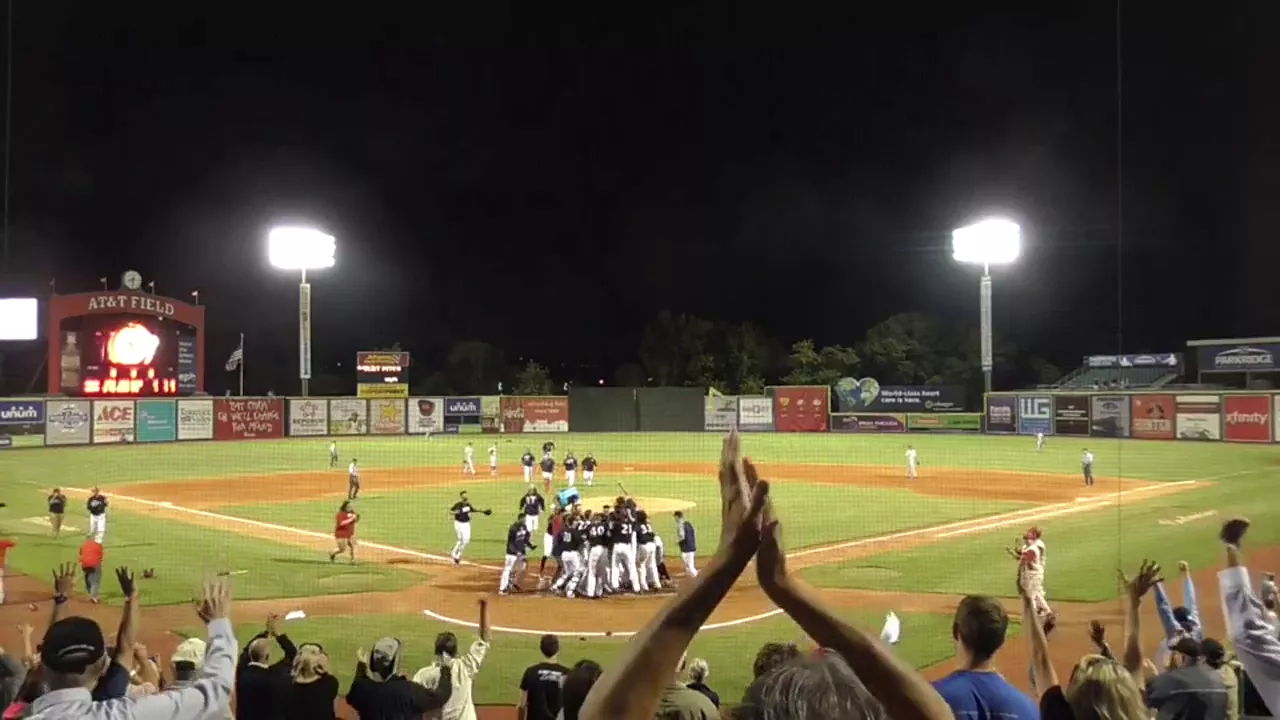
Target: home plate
<point>295,615</point>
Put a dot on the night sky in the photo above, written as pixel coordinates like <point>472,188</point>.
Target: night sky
<point>549,181</point>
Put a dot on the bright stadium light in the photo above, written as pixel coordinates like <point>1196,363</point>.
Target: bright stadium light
<point>303,249</point>
<point>990,242</point>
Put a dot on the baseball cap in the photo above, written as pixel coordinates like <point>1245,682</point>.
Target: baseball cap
<point>1212,649</point>
<point>191,651</point>
<point>72,644</point>
<point>1186,646</point>
<point>384,660</point>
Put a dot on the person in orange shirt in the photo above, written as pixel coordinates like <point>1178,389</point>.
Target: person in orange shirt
<point>91,563</point>
<point>344,531</point>
<point>4,550</point>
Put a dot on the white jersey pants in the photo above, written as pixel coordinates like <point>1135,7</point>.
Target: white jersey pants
<point>98,527</point>
<point>624,561</point>
<point>689,568</point>
<point>531,523</point>
<point>571,571</point>
<point>461,531</point>
<point>647,562</point>
<point>571,476</point>
<point>511,565</point>
<point>911,471</point>
<point>588,475</point>
<point>528,473</point>
<point>597,570</point>
<point>468,467</point>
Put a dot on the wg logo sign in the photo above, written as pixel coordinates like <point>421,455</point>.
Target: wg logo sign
<point>1035,408</point>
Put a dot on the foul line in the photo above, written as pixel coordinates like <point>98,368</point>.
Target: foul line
<point>595,634</point>
<point>286,529</point>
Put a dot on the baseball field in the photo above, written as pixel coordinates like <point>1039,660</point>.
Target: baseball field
<point>855,527</point>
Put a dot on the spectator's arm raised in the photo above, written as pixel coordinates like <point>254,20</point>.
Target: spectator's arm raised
<point>632,686</point>
<point>1254,638</point>
<point>903,692</point>
<point>475,654</point>
<point>127,634</point>
<point>1135,588</point>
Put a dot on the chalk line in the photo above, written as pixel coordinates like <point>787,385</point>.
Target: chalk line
<point>594,634</point>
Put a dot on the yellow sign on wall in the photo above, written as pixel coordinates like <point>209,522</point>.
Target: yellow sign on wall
<point>382,390</point>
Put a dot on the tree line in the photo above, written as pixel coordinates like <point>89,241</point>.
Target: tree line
<point>679,349</point>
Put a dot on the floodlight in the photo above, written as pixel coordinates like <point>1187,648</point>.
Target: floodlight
<point>990,242</point>
<point>297,248</point>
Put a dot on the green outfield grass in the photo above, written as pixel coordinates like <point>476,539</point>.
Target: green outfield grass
<point>1238,478</point>
<point>926,640</point>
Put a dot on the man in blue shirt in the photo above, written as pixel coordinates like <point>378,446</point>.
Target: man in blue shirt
<point>977,691</point>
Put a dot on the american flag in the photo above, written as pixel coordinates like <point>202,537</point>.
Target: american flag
<point>237,356</point>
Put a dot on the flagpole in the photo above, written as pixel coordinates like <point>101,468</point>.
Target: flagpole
<point>241,364</point>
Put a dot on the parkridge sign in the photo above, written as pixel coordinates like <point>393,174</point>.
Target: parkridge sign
<point>868,395</point>
<point>1242,357</point>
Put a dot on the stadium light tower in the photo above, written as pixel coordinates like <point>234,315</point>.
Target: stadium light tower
<point>986,243</point>
<point>300,248</point>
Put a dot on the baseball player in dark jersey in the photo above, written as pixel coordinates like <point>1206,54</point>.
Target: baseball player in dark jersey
<point>569,543</point>
<point>97,507</point>
<point>526,462</point>
<point>589,468</point>
<point>622,564</point>
<point>532,505</point>
<point>597,556</point>
<point>461,512</point>
<point>548,471</point>
<point>515,562</point>
<point>647,559</point>
<point>570,468</point>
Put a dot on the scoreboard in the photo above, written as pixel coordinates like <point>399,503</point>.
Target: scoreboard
<point>382,374</point>
<point>108,356</point>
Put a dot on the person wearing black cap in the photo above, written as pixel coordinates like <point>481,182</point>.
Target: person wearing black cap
<point>1215,656</point>
<point>380,691</point>
<point>1193,690</point>
<point>74,657</point>
<point>262,687</point>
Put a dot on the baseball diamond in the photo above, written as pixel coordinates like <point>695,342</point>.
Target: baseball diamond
<point>868,537</point>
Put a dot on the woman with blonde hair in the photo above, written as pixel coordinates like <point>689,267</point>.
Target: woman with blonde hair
<point>1102,689</point>
<point>313,690</point>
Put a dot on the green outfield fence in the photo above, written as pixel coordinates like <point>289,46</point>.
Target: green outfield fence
<point>1198,416</point>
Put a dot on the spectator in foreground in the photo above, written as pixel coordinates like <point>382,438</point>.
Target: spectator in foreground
<point>773,655</point>
<point>380,692</point>
<point>679,701</point>
<point>12,676</point>
<point>460,705</point>
<point>262,687</point>
<point>314,689</point>
<point>821,685</point>
<point>1253,637</point>
<point>73,658</point>
<point>977,689</point>
<point>540,686</point>
<point>632,688</point>
<point>1178,622</point>
<point>698,673</point>
<point>1191,690</point>
<point>1215,656</point>
<point>577,684</point>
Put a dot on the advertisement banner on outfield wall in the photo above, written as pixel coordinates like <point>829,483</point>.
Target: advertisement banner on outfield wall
<point>491,414</point>
<point>1035,414</point>
<point>114,421</point>
<point>534,414</point>
<point>755,414</point>
<point>1070,414</point>
<point>944,422</point>
<point>868,395</point>
<point>68,422</point>
<point>22,423</point>
<point>157,420</point>
<point>386,417</point>
<point>1152,417</point>
<point>1246,418</point>
<point>348,416</point>
<point>308,417</point>
<point>721,413</point>
<point>195,419</point>
<point>1199,417</point>
<point>868,423</point>
<point>800,408</point>
<point>248,418</point>
<point>426,415</point>
<point>1275,415</point>
<point>1002,413</point>
<point>1109,416</point>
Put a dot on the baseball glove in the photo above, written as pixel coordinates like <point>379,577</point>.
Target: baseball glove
<point>148,573</point>
<point>488,512</point>
<point>1233,531</point>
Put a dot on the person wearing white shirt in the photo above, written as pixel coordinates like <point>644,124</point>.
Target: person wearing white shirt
<point>1253,637</point>
<point>1039,441</point>
<point>333,454</point>
<point>912,462</point>
<point>468,460</point>
<point>1086,467</point>
<point>73,656</point>
<point>493,460</point>
<point>463,668</point>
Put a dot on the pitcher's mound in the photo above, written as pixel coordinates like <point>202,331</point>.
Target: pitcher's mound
<point>649,504</point>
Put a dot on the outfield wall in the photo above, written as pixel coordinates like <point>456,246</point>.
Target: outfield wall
<point>1191,416</point>
<point>1242,416</point>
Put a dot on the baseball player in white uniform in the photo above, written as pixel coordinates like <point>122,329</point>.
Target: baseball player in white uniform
<point>468,460</point>
<point>1039,441</point>
<point>1031,563</point>
<point>493,461</point>
<point>647,553</point>
<point>597,557</point>
<point>913,461</point>
<point>624,554</point>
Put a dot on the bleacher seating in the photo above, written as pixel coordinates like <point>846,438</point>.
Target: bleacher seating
<point>1125,377</point>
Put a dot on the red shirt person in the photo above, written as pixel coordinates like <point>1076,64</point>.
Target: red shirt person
<point>344,531</point>
<point>91,553</point>
<point>4,551</point>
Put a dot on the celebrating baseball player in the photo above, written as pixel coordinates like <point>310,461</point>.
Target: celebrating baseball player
<point>526,462</point>
<point>97,507</point>
<point>515,561</point>
<point>461,512</point>
<point>589,468</point>
<point>647,558</point>
<point>624,557</point>
<point>597,556</point>
<point>568,546</point>
<point>532,504</point>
